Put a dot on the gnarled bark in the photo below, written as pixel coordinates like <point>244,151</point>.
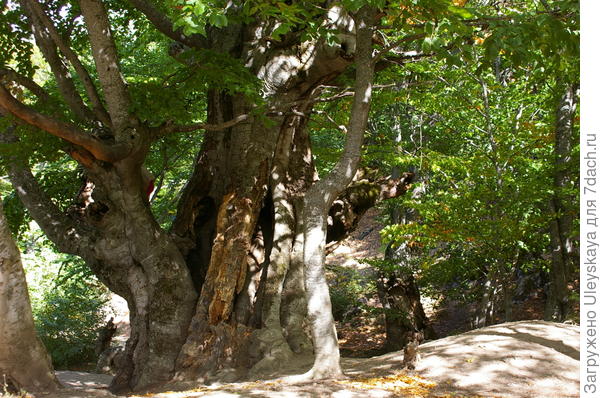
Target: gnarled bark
<point>127,250</point>
<point>255,164</point>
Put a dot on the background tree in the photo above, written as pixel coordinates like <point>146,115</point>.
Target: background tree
<point>489,158</point>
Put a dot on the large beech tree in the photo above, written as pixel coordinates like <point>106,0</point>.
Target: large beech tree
<point>224,288</point>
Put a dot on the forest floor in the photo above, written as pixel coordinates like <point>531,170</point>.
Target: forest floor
<point>529,358</point>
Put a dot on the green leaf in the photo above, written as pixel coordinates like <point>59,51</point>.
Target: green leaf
<point>460,11</point>
<point>218,20</point>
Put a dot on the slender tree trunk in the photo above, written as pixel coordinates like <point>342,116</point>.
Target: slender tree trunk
<point>24,362</point>
<point>558,293</point>
<point>508,293</point>
<point>318,200</point>
<point>487,307</point>
<point>564,257</point>
<point>484,307</point>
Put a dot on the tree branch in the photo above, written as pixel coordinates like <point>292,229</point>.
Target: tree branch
<point>353,202</point>
<point>66,131</point>
<point>60,228</point>
<point>345,168</point>
<point>163,25</point>
<point>394,45</point>
<point>105,56</point>
<point>36,89</point>
<point>171,128</point>
<point>64,81</point>
<point>88,84</point>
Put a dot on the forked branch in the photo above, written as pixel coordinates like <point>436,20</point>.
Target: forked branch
<point>58,226</point>
<point>7,74</point>
<point>65,83</point>
<point>68,52</point>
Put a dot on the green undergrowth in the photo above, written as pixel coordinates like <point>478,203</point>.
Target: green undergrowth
<point>68,302</point>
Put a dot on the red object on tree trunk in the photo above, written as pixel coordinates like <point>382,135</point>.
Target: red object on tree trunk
<point>150,188</point>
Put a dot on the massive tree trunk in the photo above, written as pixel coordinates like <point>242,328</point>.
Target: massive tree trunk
<point>24,362</point>
<point>111,227</point>
<point>562,240</point>
<point>253,178</point>
<point>117,236</point>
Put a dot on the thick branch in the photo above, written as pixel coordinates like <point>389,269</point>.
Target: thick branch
<point>349,207</point>
<point>345,168</point>
<point>66,131</point>
<point>60,228</point>
<point>162,23</point>
<point>107,64</point>
<point>88,84</point>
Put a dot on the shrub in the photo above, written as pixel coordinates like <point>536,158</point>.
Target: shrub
<point>68,313</point>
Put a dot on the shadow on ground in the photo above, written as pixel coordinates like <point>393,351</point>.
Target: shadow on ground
<point>527,359</point>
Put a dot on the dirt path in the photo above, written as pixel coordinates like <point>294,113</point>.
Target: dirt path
<point>528,359</point>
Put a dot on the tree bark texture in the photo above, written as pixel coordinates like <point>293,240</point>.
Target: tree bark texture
<point>119,239</point>
<point>245,174</point>
<point>404,314</point>
<point>24,361</point>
